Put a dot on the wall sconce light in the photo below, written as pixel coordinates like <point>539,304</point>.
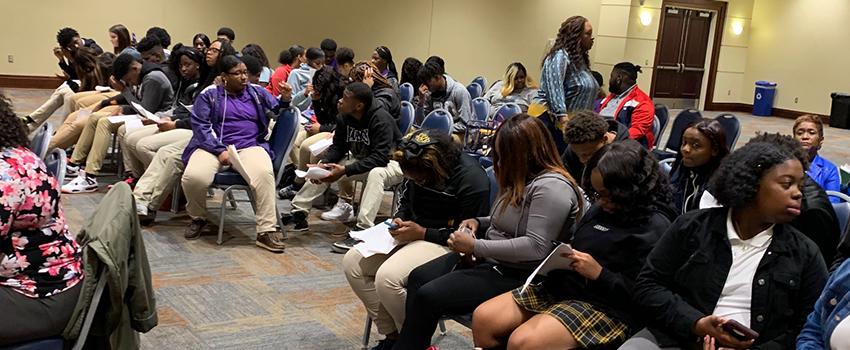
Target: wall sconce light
<point>737,27</point>
<point>645,18</point>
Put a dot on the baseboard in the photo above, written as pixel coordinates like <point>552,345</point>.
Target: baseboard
<point>748,108</point>
<point>29,81</point>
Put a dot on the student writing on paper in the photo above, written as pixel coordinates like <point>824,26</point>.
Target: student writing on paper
<point>442,187</point>
<point>590,305</point>
<point>538,202</point>
<point>232,114</point>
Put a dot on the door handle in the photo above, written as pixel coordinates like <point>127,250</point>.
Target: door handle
<point>686,69</point>
<point>676,67</point>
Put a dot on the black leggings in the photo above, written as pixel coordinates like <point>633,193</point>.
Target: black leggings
<point>435,290</point>
<point>35,318</point>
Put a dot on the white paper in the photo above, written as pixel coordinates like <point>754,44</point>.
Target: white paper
<point>235,160</point>
<point>554,261</point>
<point>313,173</point>
<point>144,112</point>
<point>375,240</point>
<point>320,146</point>
<point>132,124</point>
<point>115,119</point>
<point>102,88</point>
<point>188,107</point>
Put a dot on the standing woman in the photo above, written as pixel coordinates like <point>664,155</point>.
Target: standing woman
<point>808,129</point>
<point>383,59</point>
<point>120,38</point>
<point>703,147</point>
<point>201,42</point>
<point>566,83</point>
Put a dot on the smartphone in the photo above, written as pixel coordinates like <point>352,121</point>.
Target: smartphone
<point>739,331</point>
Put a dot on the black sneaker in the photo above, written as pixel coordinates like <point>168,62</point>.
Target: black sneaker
<point>344,245</point>
<point>148,218</point>
<point>384,344</point>
<point>193,231</point>
<point>288,192</point>
<point>298,219</point>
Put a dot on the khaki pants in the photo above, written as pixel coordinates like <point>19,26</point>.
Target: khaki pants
<point>373,193</point>
<point>59,98</point>
<point>199,175</point>
<point>69,132</point>
<point>88,98</point>
<point>94,141</point>
<point>139,146</point>
<point>301,155</point>
<point>162,174</point>
<point>380,280</point>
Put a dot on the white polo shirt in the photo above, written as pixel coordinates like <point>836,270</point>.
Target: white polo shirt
<point>735,300</point>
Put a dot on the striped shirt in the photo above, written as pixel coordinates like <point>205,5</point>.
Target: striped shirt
<point>566,86</point>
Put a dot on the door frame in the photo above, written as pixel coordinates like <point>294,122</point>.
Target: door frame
<point>719,7</point>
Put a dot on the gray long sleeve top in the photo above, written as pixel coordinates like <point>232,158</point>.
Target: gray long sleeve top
<point>550,207</point>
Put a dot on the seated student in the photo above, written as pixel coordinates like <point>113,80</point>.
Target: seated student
<point>444,92</point>
<point>289,59</point>
<point>370,134</point>
<point>515,87</point>
<point>153,51</point>
<point>299,79</point>
<point>163,37</point>
<point>201,43</point>
<point>585,134</point>
<point>409,73</point>
<point>232,114</point>
<point>140,82</point>
<point>69,41</point>
<point>742,262</point>
<point>344,61</point>
<point>139,146</point>
<point>93,71</point>
<point>119,36</point>
<point>628,104</point>
<point>217,49</point>
<point>589,306</point>
<point>443,186</point>
<point>328,86</point>
<point>703,147</point>
<point>257,52</point>
<point>41,262</point>
<point>383,59</point>
<point>226,35</point>
<point>385,95</point>
<point>328,47</point>
<point>826,326</point>
<point>808,129</point>
<point>538,202</point>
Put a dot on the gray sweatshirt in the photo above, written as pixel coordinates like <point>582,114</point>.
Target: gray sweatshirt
<point>456,101</point>
<point>298,79</point>
<point>550,207</point>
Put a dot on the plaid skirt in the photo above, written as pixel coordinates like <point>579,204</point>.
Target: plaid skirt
<point>589,326</point>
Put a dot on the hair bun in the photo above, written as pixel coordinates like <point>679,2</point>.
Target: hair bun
<point>637,69</point>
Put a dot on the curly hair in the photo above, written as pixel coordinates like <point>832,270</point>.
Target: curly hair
<point>428,71</point>
<point>633,178</point>
<point>569,39</point>
<point>257,52</point>
<point>585,126</point>
<point>786,143</point>
<point>12,131</point>
<point>735,184</point>
<point>358,73</point>
<point>409,71</point>
<point>329,85</point>
<point>161,34</point>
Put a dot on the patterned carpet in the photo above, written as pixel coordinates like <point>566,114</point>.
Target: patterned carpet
<point>236,296</point>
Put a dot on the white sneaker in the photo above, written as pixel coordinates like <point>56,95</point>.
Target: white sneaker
<point>80,184</point>
<point>71,172</point>
<point>342,211</point>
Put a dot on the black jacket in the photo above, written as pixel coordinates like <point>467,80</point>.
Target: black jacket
<point>685,273</point>
<point>466,195</point>
<point>370,140</point>
<point>817,219</point>
<point>621,250</point>
<point>326,117</point>
<point>689,185</point>
<point>574,166</point>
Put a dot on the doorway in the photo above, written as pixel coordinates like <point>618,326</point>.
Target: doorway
<point>686,54</point>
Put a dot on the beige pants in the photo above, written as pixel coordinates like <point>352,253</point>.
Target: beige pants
<point>301,155</point>
<point>373,193</point>
<point>69,132</point>
<point>162,174</point>
<point>87,98</point>
<point>94,141</point>
<point>199,175</point>
<point>139,146</point>
<point>380,280</point>
<point>61,97</point>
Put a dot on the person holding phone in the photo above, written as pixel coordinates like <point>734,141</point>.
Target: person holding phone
<point>590,305</point>
<point>741,262</point>
<point>442,186</point>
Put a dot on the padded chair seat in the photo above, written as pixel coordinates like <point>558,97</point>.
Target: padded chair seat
<point>229,178</point>
<point>55,343</point>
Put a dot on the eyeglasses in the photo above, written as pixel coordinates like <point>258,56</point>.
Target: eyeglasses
<point>238,73</point>
<point>214,50</point>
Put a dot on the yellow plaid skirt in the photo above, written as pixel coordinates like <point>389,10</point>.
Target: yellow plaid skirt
<point>589,326</point>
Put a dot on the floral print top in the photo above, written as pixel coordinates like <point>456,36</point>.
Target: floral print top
<point>38,254</point>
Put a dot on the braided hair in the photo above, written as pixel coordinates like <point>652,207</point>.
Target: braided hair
<point>569,39</point>
<point>386,55</point>
<point>359,71</point>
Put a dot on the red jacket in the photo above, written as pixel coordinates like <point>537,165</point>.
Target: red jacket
<point>637,112</point>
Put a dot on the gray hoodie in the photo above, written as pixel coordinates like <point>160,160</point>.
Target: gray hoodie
<point>456,101</point>
<point>298,79</point>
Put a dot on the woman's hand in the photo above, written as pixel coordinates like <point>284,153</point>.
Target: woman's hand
<point>462,241</point>
<point>585,265</point>
<point>470,224</point>
<point>115,84</point>
<point>308,90</point>
<point>368,79</point>
<point>224,158</point>
<point>285,91</point>
<point>407,231</point>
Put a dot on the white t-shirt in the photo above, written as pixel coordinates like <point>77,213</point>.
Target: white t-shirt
<point>735,300</point>
<point>840,338</point>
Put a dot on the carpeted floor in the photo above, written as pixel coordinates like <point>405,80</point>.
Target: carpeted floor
<point>237,296</point>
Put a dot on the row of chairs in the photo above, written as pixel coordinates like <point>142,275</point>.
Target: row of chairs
<point>686,118</point>
<point>475,88</point>
<point>56,159</point>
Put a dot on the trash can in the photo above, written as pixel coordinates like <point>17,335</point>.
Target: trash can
<point>839,115</point>
<point>763,102</point>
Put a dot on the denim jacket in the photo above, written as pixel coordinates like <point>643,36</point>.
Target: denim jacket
<point>832,307</point>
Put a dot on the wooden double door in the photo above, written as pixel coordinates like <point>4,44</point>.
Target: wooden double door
<point>681,55</point>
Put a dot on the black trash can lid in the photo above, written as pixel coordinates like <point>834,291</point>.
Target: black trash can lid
<point>840,94</point>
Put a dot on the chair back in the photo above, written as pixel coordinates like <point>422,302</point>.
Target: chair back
<point>55,161</point>
<point>732,127</point>
<point>505,112</point>
<point>685,119</point>
<point>405,92</point>
<point>41,140</point>
<point>481,81</point>
<point>494,185</point>
<point>656,128</point>
<point>842,211</point>
<point>283,137</point>
<point>438,119</point>
<point>480,108</point>
<point>663,116</point>
<point>406,119</point>
<point>475,90</point>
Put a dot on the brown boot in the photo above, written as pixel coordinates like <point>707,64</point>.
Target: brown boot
<point>271,241</point>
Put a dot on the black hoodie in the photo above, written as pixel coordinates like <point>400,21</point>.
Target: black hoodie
<point>371,140</point>
<point>388,99</point>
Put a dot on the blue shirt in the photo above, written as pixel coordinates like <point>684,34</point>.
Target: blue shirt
<point>566,86</point>
<point>826,175</point>
<point>832,307</point>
